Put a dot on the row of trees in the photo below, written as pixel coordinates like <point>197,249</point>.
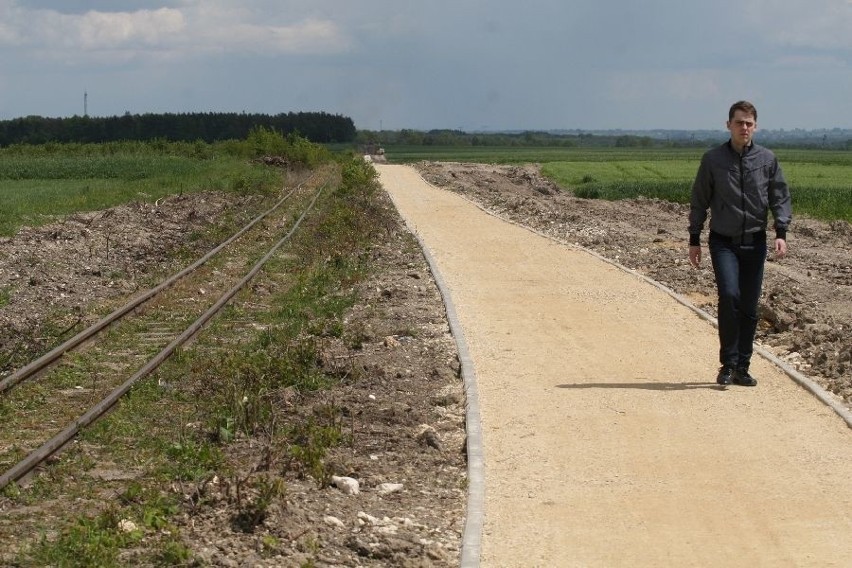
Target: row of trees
<point>447,137</point>
<point>318,127</point>
<point>836,139</point>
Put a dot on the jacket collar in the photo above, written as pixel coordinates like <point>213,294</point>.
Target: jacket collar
<point>748,148</point>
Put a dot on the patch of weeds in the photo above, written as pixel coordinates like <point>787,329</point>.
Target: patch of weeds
<point>41,487</point>
<point>309,544</point>
<point>244,384</point>
<point>89,542</point>
<point>5,410</point>
<point>152,508</point>
<point>11,491</point>
<point>253,511</point>
<point>174,553</point>
<point>309,442</point>
<point>357,337</point>
<point>270,543</point>
<point>5,296</point>
<point>188,460</point>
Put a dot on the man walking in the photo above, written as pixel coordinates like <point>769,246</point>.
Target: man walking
<point>739,182</point>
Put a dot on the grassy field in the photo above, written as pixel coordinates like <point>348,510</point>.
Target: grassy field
<point>38,183</point>
<point>821,181</point>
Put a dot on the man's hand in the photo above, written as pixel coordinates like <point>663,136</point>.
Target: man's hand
<point>780,248</point>
<point>695,255</point>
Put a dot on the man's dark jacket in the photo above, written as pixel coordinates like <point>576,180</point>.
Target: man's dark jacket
<point>739,190</point>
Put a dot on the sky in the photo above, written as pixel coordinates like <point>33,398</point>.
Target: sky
<point>425,64</point>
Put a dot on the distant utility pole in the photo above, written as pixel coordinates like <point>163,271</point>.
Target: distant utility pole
<point>85,103</point>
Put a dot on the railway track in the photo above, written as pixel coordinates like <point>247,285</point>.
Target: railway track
<point>46,403</point>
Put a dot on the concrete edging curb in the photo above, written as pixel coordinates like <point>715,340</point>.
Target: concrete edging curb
<point>475,511</point>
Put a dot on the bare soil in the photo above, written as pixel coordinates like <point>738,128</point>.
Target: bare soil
<point>407,406</point>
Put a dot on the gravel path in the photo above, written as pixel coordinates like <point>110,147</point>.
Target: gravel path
<point>606,441</point>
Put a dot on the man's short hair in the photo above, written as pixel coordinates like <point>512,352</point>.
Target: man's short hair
<point>744,106</point>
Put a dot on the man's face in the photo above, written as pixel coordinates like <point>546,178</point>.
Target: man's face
<point>742,127</point>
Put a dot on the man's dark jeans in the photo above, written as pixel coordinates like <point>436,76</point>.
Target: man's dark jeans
<point>739,276</point>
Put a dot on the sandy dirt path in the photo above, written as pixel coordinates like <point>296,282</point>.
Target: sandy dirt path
<point>606,440</point>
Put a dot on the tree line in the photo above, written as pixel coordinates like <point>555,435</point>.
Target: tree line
<point>317,127</point>
<point>448,137</point>
<point>836,139</point>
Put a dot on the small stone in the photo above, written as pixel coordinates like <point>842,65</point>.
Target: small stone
<point>334,522</point>
<point>428,436</point>
<point>388,488</point>
<point>347,485</point>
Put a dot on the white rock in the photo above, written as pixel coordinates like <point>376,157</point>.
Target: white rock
<point>365,519</point>
<point>127,526</point>
<point>348,485</point>
<point>334,522</point>
<point>387,488</point>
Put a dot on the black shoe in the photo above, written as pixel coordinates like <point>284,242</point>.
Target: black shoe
<point>726,375</point>
<point>743,378</point>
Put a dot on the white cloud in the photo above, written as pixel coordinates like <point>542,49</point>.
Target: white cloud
<point>309,36</point>
<point>95,31</point>
<point>193,28</point>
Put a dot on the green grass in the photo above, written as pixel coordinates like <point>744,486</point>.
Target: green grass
<point>819,191</point>
<point>65,187</point>
<point>525,155</point>
<point>38,183</point>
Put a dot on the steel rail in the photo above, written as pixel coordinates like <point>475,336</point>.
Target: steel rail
<point>50,447</point>
<point>50,357</point>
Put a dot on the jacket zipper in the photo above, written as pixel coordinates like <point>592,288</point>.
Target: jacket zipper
<point>742,192</point>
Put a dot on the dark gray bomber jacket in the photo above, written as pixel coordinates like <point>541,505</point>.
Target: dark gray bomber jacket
<point>739,191</point>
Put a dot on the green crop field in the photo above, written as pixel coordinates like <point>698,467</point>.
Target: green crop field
<point>820,180</point>
<point>38,183</point>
